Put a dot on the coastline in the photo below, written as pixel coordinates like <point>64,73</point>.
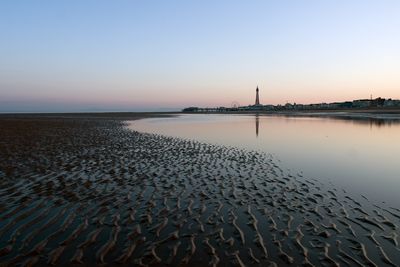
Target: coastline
<point>357,114</point>
<point>90,115</point>
<point>110,195</point>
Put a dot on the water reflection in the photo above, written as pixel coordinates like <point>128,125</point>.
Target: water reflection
<point>358,153</point>
<point>379,121</point>
<point>257,124</point>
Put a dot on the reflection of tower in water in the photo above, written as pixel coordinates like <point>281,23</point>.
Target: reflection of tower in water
<point>257,124</point>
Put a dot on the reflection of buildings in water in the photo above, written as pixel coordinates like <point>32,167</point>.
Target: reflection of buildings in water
<point>257,124</point>
<point>367,121</point>
<point>372,122</point>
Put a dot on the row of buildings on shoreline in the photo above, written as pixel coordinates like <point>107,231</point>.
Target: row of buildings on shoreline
<point>355,104</point>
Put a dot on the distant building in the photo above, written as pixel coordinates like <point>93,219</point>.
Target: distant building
<point>347,104</point>
<point>268,107</point>
<point>362,103</point>
<point>378,102</point>
<point>391,103</point>
<point>257,105</point>
<point>257,98</point>
<point>191,109</point>
<point>289,106</point>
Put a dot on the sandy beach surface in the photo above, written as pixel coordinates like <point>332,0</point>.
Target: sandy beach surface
<point>83,190</point>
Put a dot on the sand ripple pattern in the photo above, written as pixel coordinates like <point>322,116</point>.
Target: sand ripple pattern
<point>91,192</point>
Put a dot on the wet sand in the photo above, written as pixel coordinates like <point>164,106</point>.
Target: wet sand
<point>81,191</point>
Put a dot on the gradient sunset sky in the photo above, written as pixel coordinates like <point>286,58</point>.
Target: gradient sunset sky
<point>83,55</point>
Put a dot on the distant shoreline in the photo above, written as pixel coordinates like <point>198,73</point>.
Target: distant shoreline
<point>378,113</point>
<point>354,110</point>
<point>92,115</point>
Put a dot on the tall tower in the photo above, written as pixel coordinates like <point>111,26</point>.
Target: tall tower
<point>257,97</point>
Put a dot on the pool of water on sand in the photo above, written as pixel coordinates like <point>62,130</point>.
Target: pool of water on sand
<point>361,156</point>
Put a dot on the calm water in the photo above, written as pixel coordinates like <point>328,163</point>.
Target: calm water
<point>360,156</point>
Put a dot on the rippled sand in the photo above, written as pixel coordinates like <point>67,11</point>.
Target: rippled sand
<point>91,192</point>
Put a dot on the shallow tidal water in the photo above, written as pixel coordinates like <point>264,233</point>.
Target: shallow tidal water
<point>358,155</point>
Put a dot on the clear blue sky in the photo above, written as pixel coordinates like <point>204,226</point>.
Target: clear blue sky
<point>148,55</point>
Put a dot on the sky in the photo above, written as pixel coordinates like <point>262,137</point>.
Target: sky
<point>81,55</point>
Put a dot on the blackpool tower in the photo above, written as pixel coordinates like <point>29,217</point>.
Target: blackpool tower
<point>257,97</point>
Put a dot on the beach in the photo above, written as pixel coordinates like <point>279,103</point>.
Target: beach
<point>85,190</point>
